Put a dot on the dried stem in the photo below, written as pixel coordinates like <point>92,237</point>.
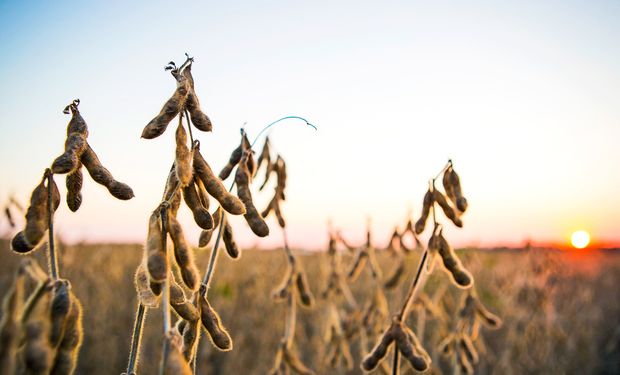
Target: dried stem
<point>136,338</point>
<point>189,127</point>
<point>53,257</point>
<point>396,362</point>
<point>166,287</point>
<point>289,330</point>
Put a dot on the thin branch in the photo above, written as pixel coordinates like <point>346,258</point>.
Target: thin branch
<point>136,338</point>
<point>53,261</point>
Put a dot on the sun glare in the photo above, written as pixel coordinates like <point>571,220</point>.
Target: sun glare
<point>580,239</point>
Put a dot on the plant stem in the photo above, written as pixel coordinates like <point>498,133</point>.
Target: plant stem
<point>396,362</point>
<point>53,258</point>
<point>166,288</point>
<point>136,339</point>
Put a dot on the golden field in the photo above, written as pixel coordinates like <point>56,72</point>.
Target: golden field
<point>560,310</point>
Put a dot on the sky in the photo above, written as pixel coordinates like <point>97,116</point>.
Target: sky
<point>522,96</point>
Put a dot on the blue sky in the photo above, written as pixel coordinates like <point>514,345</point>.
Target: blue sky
<point>523,96</point>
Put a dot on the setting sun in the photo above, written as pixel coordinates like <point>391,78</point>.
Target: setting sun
<point>580,239</point>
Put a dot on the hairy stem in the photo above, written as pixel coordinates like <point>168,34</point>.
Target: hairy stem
<point>136,338</point>
<point>53,257</point>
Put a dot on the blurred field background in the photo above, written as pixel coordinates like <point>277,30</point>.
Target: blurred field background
<point>561,310</point>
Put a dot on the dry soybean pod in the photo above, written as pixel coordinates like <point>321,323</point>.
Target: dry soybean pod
<point>175,362</point>
<point>461,202</point>
<point>37,353</point>
<point>426,208</point>
<point>235,157</point>
<point>65,361</point>
<point>12,306</point>
<point>200,120</point>
<point>183,156</point>
<point>102,175</point>
<point>305,295</point>
<point>214,185</point>
<point>395,278</point>
<point>202,217</point>
<point>190,333</point>
<point>36,220</point>
<point>205,235</point>
<point>145,295</point>
<point>74,182</point>
<point>447,209</point>
<point>155,254</point>
<point>265,156</point>
<point>358,265</point>
<point>61,304</point>
<point>180,304</point>
<point>292,359</point>
<point>406,348</point>
<point>213,325</point>
<point>202,193</point>
<point>281,173</point>
<point>252,217</point>
<point>377,354</point>
<point>157,126</point>
<point>451,262</point>
<point>70,159</point>
<point>229,241</point>
<point>77,123</point>
<point>182,253</point>
<point>486,317</point>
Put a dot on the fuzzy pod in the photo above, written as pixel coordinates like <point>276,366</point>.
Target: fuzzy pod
<point>172,182</point>
<point>213,325</point>
<point>417,345</point>
<point>265,156</point>
<point>270,167</point>
<point>102,175</point>
<point>37,220</point>
<point>376,355</point>
<point>305,294</point>
<point>12,306</point>
<point>394,279</point>
<point>37,354</point>
<point>183,156</point>
<point>460,202</point>
<point>202,217</point>
<point>426,208</point>
<point>465,366</point>
<point>407,349</point>
<point>284,289</point>
<point>229,241</point>
<point>70,159</point>
<point>448,187</point>
<point>469,349</point>
<point>235,157</point>
<point>145,295</point>
<point>294,362</point>
<point>155,254</point>
<point>447,209</point>
<point>180,304</point>
<point>281,174</point>
<point>214,185</point>
<point>174,361</point>
<point>77,123</point>
<point>74,183</point>
<point>202,193</point>
<point>358,265</point>
<point>61,304</point>
<point>157,126</point>
<point>452,263</point>
<point>205,235</point>
<point>446,345</point>
<point>200,120</point>
<point>190,331</point>
<point>183,254</point>
<point>252,217</point>
<point>486,317</point>
<point>65,361</point>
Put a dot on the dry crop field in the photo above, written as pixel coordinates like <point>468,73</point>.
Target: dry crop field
<point>410,303</point>
<point>560,312</point>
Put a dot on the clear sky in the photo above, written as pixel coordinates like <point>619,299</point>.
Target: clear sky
<point>523,96</point>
